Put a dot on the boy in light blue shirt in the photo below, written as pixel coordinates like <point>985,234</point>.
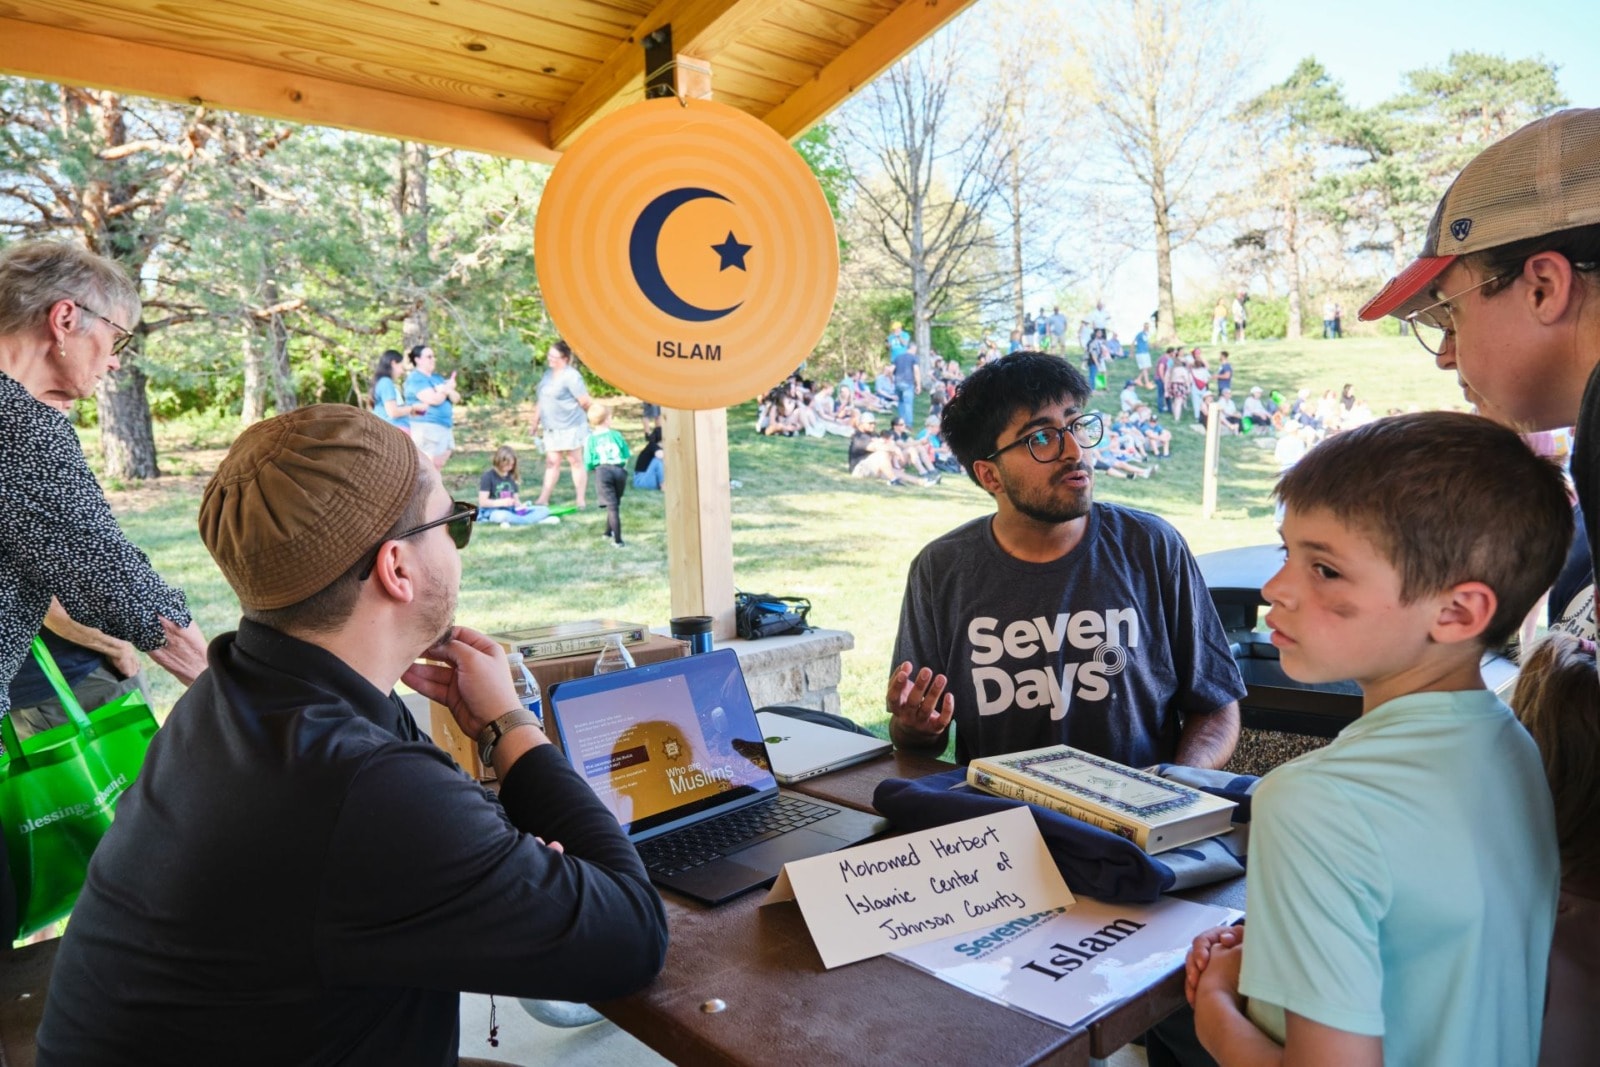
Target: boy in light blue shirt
<point>1402,882</point>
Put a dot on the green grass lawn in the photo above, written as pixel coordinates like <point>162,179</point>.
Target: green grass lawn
<point>801,525</point>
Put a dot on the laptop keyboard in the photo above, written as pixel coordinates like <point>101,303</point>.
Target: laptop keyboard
<point>693,845</point>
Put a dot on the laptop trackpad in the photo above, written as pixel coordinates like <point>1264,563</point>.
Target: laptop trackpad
<point>772,854</point>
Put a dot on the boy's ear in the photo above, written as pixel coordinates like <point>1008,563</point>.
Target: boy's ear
<point>1464,613</point>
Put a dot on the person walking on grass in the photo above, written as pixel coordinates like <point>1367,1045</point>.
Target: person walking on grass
<point>606,453</point>
<point>563,398</point>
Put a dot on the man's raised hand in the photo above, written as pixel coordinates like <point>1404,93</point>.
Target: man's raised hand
<point>919,707</point>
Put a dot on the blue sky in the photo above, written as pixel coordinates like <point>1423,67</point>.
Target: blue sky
<point>1367,44</point>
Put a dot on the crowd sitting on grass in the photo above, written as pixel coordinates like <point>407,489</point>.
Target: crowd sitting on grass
<point>881,457</point>
<point>1187,385</point>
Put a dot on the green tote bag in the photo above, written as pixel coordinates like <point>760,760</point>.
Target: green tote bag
<point>58,791</point>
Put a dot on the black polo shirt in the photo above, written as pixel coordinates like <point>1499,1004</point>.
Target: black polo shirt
<point>300,877</point>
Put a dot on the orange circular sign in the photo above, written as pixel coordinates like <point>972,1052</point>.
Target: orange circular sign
<point>686,252</point>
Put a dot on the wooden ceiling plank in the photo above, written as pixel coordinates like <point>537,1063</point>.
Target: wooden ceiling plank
<point>519,20</point>
<point>233,29</point>
<point>911,23</point>
<point>867,12</point>
<point>620,16</point>
<point>700,28</point>
<point>804,48</point>
<point>554,27</point>
<point>77,58</point>
<point>338,70</point>
<point>751,82</point>
<point>778,69</point>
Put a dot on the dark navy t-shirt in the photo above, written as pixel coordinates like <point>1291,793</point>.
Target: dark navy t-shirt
<point>1105,649</point>
<point>905,369</point>
<point>1571,604</point>
<point>30,687</point>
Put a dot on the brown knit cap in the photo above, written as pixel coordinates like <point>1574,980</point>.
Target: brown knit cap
<point>300,498</point>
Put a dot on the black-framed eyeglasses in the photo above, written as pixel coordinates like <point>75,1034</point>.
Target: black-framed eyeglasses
<point>124,337</point>
<point>1432,325</point>
<point>1046,443</point>
<point>459,521</point>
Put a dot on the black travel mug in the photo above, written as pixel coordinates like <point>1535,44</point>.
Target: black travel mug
<point>695,629</point>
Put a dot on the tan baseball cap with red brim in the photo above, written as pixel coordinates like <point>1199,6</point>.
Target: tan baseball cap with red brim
<point>1542,179</point>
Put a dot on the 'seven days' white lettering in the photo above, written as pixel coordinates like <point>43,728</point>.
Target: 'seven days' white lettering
<point>1023,638</point>
<point>996,690</point>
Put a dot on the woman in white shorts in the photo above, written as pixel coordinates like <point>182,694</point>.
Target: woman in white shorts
<point>433,399</point>
<point>563,400</point>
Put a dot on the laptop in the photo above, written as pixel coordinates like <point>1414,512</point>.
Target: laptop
<point>673,749</point>
<point>799,749</point>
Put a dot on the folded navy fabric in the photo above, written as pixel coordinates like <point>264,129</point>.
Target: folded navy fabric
<point>1094,862</point>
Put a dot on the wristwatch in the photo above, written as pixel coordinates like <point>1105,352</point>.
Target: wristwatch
<point>491,734</point>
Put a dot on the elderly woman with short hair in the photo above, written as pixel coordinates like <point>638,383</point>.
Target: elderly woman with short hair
<point>66,316</point>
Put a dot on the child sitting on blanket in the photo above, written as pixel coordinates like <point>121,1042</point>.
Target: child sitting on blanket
<point>1402,880</point>
<point>498,489</point>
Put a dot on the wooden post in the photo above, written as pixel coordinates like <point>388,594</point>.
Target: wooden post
<point>699,502</point>
<point>1208,494</point>
<point>699,516</point>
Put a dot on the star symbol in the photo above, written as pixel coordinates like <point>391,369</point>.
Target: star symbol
<point>732,252</point>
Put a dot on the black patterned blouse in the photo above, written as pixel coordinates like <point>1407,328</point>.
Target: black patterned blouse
<point>58,538</point>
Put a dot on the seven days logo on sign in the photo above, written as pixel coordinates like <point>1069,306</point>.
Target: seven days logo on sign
<point>686,252</point>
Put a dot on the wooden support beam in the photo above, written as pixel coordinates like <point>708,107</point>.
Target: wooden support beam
<point>700,28</point>
<point>699,499</point>
<point>884,44</point>
<point>699,516</point>
<point>76,58</point>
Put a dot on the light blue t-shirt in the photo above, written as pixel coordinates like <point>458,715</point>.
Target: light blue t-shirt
<point>386,393</point>
<point>438,414</point>
<point>560,393</point>
<point>1403,883</point>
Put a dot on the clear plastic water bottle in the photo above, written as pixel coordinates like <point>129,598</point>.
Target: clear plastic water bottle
<point>613,657</point>
<point>526,685</point>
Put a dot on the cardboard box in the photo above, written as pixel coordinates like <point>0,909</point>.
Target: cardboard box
<point>464,750</point>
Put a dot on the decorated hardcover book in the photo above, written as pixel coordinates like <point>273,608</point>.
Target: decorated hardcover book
<point>570,638</point>
<point>1152,812</point>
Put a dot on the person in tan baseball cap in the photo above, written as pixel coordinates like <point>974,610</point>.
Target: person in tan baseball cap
<point>298,864</point>
<point>1502,292</point>
<point>1506,293</point>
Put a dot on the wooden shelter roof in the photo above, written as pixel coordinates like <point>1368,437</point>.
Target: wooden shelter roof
<point>519,78</point>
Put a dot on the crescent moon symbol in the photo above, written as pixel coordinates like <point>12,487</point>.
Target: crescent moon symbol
<point>647,267</point>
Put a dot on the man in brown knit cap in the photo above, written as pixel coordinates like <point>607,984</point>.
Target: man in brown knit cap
<point>298,876</point>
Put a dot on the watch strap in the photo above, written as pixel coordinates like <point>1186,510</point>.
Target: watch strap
<point>491,734</point>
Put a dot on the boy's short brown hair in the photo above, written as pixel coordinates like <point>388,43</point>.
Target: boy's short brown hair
<point>1446,498</point>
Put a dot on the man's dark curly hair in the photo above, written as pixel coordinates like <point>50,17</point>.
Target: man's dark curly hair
<point>991,396</point>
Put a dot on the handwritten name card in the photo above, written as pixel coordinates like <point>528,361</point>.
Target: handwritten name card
<point>889,895</point>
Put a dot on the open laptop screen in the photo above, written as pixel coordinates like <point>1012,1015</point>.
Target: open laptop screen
<point>665,741</point>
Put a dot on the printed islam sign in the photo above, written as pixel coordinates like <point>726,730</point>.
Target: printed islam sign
<point>686,253</point>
